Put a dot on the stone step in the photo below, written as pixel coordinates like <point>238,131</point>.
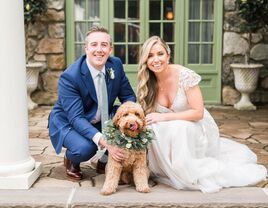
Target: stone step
<point>126,196</point>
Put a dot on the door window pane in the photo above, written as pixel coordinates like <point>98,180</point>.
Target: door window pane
<point>206,51</point>
<point>119,32</point>
<point>94,10</point>
<point>168,33</point>
<point>193,53</point>
<point>207,31</point>
<point>168,13</point>
<point>194,31</point>
<point>194,9</point>
<point>207,9</point>
<point>133,32</point>
<point>79,50</point>
<point>81,29</point>
<point>119,9</point>
<point>155,9</point>
<point>120,51</point>
<point>133,54</point>
<point>154,29</point>
<point>133,9</point>
<point>79,9</point>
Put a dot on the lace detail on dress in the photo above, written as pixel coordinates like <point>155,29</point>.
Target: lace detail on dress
<point>188,78</point>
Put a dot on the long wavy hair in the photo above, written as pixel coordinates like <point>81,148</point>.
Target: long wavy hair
<point>147,83</point>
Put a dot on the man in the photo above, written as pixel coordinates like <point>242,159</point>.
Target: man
<point>75,120</point>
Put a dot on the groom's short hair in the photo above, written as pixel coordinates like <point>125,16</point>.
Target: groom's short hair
<point>97,28</point>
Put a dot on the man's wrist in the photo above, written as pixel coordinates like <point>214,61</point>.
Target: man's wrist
<point>102,143</point>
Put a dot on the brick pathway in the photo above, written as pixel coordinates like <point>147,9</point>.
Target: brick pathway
<point>247,127</point>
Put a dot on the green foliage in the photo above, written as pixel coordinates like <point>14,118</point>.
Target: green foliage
<point>254,14</point>
<point>115,137</point>
<point>32,9</point>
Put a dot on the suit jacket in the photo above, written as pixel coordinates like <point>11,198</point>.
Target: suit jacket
<point>77,100</point>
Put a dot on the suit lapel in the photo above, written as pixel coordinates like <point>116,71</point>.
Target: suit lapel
<point>87,79</point>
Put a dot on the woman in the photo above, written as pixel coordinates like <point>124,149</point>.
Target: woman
<point>187,152</point>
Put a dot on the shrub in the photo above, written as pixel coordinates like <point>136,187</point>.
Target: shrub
<point>32,9</point>
<point>254,16</point>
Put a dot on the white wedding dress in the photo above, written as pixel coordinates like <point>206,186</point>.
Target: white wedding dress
<point>192,156</point>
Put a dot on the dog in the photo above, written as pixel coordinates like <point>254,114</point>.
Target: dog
<point>129,120</point>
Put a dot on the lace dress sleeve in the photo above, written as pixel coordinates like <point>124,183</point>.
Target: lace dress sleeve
<point>189,78</point>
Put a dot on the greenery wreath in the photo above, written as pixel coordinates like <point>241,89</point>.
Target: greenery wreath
<point>114,136</point>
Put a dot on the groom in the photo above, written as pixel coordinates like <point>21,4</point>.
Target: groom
<point>75,120</point>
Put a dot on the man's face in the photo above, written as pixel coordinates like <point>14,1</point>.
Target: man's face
<point>98,49</point>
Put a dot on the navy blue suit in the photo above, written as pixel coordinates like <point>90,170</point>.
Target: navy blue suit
<point>70,119</point>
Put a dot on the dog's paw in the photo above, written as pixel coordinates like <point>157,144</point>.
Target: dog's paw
<point>143,189</point>
<point>107,191</point>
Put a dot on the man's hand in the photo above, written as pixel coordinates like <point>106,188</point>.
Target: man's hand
<point>115,152</point>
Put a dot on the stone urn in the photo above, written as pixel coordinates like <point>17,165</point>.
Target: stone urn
<point>246,79</point>
<point>32,73</point>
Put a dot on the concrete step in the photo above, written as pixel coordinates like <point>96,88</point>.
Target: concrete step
<point>126,196</point>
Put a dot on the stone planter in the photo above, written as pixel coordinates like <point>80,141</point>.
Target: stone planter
<point>32,73</point>
<point>246,78</point>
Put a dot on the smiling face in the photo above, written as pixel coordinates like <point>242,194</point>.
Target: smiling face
<point>158,58</point>
<point>130,119</point>
<point>98,48</point>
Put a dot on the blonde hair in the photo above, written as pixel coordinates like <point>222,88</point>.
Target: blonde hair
<point>97,28</point>
<point>147,83</point>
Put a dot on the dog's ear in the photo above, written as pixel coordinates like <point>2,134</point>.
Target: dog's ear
<point>116,118</point>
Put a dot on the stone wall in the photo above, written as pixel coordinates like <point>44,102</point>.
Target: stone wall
<point>46,44</point>
<point>234,49</point>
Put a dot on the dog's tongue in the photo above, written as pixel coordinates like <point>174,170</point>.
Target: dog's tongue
<point>134,126</point>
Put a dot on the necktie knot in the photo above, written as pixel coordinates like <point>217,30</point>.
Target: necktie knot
<point>100,74</point>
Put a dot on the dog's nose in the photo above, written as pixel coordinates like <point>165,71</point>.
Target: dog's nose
<point>133,126</point>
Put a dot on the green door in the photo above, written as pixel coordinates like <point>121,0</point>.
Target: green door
<point>192,28</point>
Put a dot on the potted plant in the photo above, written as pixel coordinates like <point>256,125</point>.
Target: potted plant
<point>32,10</point>
<point>254,16</point>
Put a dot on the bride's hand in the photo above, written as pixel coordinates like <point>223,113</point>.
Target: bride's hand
<point>153,118</point>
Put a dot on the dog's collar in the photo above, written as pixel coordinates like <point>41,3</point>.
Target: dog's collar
<point>114,136</point>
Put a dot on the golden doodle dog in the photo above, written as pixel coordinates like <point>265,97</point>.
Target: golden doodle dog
<point>127,130</point>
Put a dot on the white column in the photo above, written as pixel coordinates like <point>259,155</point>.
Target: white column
<point>18,170</point>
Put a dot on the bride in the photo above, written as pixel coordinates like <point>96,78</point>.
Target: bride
<point>187,152</point>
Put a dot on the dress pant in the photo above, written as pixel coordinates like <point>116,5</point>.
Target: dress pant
<point>78,148</point>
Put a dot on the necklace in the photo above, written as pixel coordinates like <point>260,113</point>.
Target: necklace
<point>162,88</point>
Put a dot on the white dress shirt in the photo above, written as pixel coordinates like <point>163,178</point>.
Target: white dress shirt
<point>94,73</point>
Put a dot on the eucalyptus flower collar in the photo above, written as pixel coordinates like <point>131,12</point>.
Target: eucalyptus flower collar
<point>114,136</point>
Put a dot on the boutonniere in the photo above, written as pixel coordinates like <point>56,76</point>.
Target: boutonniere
<point>111,73</point>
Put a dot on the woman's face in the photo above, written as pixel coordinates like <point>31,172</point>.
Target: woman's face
<point>158,58</point>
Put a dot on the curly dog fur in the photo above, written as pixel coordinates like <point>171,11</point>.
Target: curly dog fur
<point>130,120</point>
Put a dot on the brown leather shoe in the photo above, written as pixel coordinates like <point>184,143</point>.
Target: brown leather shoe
<point>72,172</point>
